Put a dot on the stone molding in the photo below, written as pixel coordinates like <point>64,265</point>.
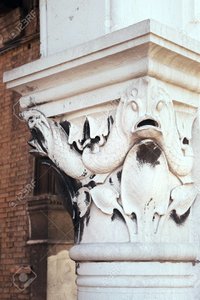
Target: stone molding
<point>89,71</point>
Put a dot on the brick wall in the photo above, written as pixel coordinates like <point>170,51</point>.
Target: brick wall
<point>16,171</point>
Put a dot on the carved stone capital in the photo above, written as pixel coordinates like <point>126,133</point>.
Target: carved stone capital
<point>132,164</point>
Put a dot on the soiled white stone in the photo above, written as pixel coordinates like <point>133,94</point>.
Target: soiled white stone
<point>142,82</point>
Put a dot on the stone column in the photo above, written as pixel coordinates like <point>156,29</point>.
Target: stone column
<point>120,117</point>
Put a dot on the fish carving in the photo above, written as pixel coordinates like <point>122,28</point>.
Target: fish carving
<point>111,155</point>
<point>143,142</point>
<point>50,139</point>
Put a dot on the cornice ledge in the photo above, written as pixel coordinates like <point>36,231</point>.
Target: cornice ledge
<point>147,48</point>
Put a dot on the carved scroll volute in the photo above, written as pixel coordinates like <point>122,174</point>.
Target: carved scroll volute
<point>137,171</point>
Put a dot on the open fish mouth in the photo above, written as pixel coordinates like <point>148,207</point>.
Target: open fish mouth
<point>147,123</point>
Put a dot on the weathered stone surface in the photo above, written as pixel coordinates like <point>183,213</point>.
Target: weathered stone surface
<point>121,118</point>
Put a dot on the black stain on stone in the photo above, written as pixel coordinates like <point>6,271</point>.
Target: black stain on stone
<point>117,216</point>
<point>110,122</point>
<point>86,130</point>
<point>91,184</point>
<point>149,201</point>
<point>91,142</point>
<point>133,216</point>
<point>87,217</point>
<point>179,220</point>
<point>119,176</point>
<point>185,141</point>
<point>74,147</point>
<point>111,119</point>
<point>84,173</point>
<point>66,126</point>
<point>148,153</point>
<point>95,140</point>
<point>87,198</point>
<point>78,224</point>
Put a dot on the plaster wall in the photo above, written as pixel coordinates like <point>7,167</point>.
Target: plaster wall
<point>65,24</point>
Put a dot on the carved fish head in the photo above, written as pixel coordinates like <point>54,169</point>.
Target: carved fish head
<point>150,109</point>
<point>147,127</point>
<point>40,130</point>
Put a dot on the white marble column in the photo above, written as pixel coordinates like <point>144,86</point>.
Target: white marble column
<point>119,115</point>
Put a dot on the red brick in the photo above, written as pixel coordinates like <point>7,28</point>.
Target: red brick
<point>15,172</point>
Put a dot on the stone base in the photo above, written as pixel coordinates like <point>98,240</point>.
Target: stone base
<point>121,274</point>
<point>135,281</point>
<point>135,294</point>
